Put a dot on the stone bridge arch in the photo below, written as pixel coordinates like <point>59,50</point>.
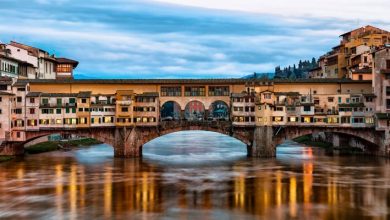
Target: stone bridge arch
<point>375,138</point>
<point>136,137</point>
<point>104,135</point>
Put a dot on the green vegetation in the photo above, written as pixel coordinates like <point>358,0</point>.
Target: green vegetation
<point>307,141</point>
<point>5,158</point>
<point>56,145</point>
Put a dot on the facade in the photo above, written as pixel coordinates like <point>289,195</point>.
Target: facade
<point>26,62</point>
<point>352,57</point>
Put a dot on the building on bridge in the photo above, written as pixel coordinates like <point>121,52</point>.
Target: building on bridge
<point>303,105</point>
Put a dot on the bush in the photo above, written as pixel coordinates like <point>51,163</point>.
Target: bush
<point>42,147</point>
<point>54,145</point>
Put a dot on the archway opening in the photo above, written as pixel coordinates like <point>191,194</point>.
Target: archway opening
<point>219,110</point>
<point>194,148</point>
<point>170,111</point>
<point>194,111</point>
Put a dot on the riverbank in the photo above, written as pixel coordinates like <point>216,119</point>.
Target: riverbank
<point>306,140</point>
<point>5,158</point>
<point>60,145</point>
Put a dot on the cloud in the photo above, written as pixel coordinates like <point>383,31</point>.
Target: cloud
<point>132,39</point>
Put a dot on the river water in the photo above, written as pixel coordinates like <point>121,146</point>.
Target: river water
<point>195,175</point>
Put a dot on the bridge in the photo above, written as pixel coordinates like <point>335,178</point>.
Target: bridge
<point>260,113</point>
<point>261,141</point>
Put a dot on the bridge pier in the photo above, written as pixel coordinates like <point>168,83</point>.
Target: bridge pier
<point>128,142</point>
<point>12,149</point>
<point>263,144</point>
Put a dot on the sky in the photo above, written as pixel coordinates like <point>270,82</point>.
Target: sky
<point>185,38</point>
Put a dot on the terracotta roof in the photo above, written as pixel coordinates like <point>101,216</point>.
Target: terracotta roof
<point>6,93</point>
<point>366,70</point>
<point>67,61</point>
<point>59,94</point>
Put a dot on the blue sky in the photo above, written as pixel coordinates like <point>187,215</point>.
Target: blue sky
<point>185,38</point>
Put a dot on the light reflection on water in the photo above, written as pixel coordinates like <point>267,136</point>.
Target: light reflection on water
<point>195,175</point>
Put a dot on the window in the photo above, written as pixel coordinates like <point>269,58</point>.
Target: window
<point>360,77</point>
<point>19,99</point>
<point>47,111</point>
<point>32,100</point>
<point>219,91</point>
<point>3,87</point>
<point>259,119</point>
<point>267,96</point>
<point>18,134</point>
<point>72,100</point>
<point>194,91</point>
<point>340,100</point>
<point>81,109</point>
<point>59,101</point>
<point>387,90</point>
<point>21,89</point>
<point>171,91</point>
<point>307,119</point>
<point>18,111</point>
<point>345,120</point>
<point>64,68</point>
<point>45,101</point>
<point>369,99</point>
<point>292,119</point>
<point>32,110</point>
<point>356,120</point>
<point>279,109</point>
<point>83,100</point>
<point>307,108</point>
<point>58,121</point>
<point>83,120</point>
<point>58,111</point>
<point>388,103</point>
<point>125,109</point>
<point>32,122</point>
<point>369,120</point>
<point>330,99</point>
<point>277,119</point>
<point>333,120</point>
<point>347,100</point>
<point>387,64</point>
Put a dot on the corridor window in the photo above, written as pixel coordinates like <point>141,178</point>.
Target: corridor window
<point>194,91</point>
<point>219,91</point>
<point>171,91</point>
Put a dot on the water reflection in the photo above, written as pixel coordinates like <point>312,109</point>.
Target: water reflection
<point>300,183</point>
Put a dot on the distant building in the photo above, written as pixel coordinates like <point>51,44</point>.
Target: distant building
<point>26,62</point>
<point>352,58</point>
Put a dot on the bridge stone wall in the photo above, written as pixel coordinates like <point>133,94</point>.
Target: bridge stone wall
<point>260,141</point>
<point>338,134</point>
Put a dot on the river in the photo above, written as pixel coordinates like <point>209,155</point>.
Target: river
<point>195,175</point>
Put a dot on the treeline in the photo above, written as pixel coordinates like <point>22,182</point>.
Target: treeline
<point>294,72</point>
